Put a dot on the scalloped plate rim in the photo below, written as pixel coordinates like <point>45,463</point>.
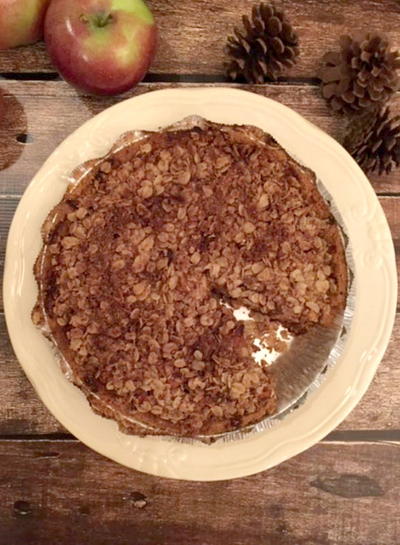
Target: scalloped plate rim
<point>230,460</point>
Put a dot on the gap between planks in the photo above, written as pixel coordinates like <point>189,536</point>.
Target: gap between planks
<point>387,437</point>
<point>165,78</point>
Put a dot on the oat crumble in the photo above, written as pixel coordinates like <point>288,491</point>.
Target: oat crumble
<point>146,258</point>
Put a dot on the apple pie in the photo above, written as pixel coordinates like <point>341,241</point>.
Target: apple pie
<point>148,258</point>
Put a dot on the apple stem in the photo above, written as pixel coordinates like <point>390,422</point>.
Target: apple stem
<point>100,20</point>
<point>103,19</point>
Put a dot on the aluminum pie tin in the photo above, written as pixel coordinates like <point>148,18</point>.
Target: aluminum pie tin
<point>300,370</point>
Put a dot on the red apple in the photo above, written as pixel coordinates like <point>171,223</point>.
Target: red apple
<point>21,22</point>
<point>104,47</point>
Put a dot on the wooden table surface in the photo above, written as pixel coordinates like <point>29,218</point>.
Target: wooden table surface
<point>346,489</point>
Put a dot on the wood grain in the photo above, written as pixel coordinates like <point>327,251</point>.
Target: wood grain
<point>21,411</point>
<point>193,34</point>
<point>44,113</point>
<point>334,494</point>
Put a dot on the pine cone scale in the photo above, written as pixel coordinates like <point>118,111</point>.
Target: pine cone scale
<point>274,27</point>
<point>348,97</point>
<point>358,90</point>
<point>261,46</point>
<point>329,91</point>
<point>266,11</point>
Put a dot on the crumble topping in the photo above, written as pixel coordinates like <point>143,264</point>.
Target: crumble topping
<point>145,260</point>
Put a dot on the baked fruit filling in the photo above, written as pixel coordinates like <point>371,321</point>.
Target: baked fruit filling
<point>147,259</point>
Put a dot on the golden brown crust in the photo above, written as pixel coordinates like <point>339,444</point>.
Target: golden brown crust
<point>146,258</point>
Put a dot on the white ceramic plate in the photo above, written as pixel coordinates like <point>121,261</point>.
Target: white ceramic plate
<point>375,271</point>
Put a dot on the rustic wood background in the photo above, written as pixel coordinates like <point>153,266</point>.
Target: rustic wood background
<point>345,490</point>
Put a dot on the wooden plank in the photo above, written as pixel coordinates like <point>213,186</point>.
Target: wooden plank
<point>391,207</point>
<point>8,205</point>
<point>60,492</point>
<point>21,411</point>
<point>44,113</point>
<point>378,410</point>
<point>7,209</point>
<point>193,34</point>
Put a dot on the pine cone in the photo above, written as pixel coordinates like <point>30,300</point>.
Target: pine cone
<point>267,44</point>
<point>362,75</point>
<point>373,139</point>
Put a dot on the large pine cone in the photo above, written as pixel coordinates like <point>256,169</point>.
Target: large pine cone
<point>373,139</point>
<point>263,48</point>
<point>362,75</point>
